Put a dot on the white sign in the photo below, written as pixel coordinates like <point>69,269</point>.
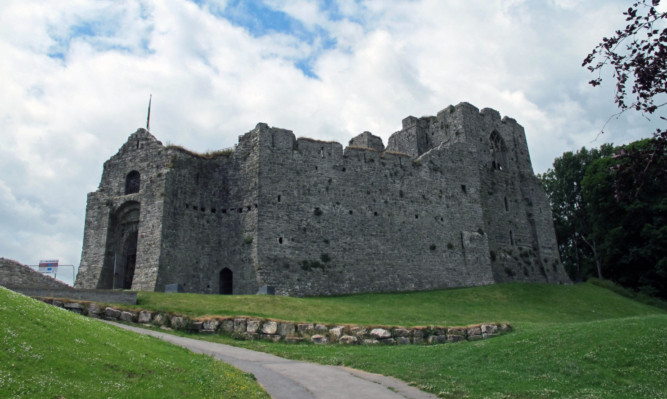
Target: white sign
<point>48,266</point>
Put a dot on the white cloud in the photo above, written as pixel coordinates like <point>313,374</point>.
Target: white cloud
<point>211,80</point>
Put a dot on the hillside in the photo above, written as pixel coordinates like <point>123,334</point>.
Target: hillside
<point>575,341</point>
<point>47,352</point>
<point>512,302</point>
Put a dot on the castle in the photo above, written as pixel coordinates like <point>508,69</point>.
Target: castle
<point>451,201</point>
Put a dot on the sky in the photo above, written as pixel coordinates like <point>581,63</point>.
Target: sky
<point>76,76</point>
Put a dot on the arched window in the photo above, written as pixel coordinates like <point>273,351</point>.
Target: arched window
<point>226,282</point>
<point>498,151</point>
<point>132,182</point>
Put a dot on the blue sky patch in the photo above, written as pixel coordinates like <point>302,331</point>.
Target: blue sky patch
<point>260,19</point>
<point>99,32</point>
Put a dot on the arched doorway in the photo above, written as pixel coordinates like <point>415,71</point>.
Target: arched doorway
<point>226,282</point>
<point>121,248</point>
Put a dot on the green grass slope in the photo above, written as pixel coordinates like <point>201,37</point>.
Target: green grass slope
<point>47,352</point>
<point>577,341</point>
<point>513,302</point>
<point>617,358</point>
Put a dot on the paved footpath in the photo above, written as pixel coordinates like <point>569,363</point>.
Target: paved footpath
<point>291,379</point>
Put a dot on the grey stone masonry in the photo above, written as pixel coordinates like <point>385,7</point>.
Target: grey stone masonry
<point>252,328</point>
<point>451,201</point>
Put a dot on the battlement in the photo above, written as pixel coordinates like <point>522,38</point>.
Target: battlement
<point>418,136</point>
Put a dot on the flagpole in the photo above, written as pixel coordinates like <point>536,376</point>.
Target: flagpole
<point>148,119</point>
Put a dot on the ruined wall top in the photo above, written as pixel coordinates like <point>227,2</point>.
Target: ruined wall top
<point>455,123</point>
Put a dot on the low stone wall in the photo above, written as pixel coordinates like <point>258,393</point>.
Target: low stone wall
<point>253,328</point>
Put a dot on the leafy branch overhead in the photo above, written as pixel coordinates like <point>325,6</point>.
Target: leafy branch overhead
<point>638,51</point>
<point>638,56</point>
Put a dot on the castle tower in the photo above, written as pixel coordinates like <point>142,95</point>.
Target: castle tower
<point>122,235</point>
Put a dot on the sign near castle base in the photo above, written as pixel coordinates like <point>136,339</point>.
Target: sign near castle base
<point>48,266</point>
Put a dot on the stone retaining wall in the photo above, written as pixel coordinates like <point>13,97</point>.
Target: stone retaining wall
<point>253,328</point>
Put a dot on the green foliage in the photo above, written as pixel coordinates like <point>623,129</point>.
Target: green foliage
<point>598,359</point>
<point>510,302</point>
<point>226,152</point>
<point>632,235</point>
<point>610,213</point>
<point>637,296</point>
<point>563,187</point>
<point>325,257</point>
<point>432,247</point>
<point>248,240</point>
<point>47,352</point>
<point>631,230</point>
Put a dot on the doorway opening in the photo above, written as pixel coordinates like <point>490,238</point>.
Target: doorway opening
<point>226,282</point>
<point>121,248</point>
<point>130,255</point>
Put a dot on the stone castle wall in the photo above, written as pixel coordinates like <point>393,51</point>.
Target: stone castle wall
<point>210,220</point>
<point>357,220</point>
<point>451,201</point>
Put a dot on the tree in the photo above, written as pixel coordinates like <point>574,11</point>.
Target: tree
<point>599,234</point>
<point>562,184</point>
<point>630,232</point>
<point>626,194</point>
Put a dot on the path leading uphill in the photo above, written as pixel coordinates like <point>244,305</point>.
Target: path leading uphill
<point>291,379</point>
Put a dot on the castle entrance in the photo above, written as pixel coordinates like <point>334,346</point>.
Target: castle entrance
<point>121,248</point>
<point>130,255</point>
<point>226,282</point>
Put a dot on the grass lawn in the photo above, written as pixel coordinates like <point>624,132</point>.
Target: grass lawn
<point>577,341</point>
<point>47,352</point>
